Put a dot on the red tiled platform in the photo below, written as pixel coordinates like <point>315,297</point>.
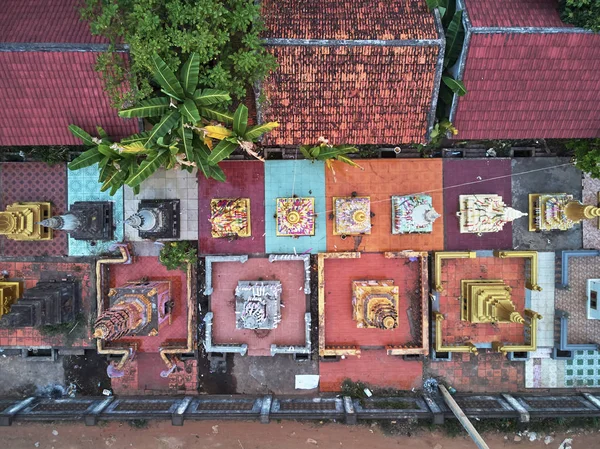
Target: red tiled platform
<point>153,270</point>
<point>245,179</point>
<point>34,181</point>
<point>380,179</point>
<point>373,367</point>
<point>483,373</point>
<point>222,303</point>
<point>30,273</point>
<point>340,328</point>
<point>495,177</point>
<point>454,330</point>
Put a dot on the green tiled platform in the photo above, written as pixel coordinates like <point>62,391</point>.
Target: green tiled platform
<point>304,179</point>
<point>83,186</point>
<point>583,370</point>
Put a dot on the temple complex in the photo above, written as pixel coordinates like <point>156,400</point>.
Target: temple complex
<point>89,220</point>
<point>156,219</point>
<point>484,213</point>
<point>557,211</point>
<point>21,221</point>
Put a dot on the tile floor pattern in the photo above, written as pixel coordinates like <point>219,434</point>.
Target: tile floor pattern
<point>574,300</point>
<point>34,181</point>
<point>142,377</point>
<point>30,273</point>
<point>286,179</point>
<point>380,179</point>
<point>483,373</point>
<point>454,330</point>
<point>544,372</point>
<point>83,186</point>
<point>583,370</point>
<point>486,176</point>
<point>543,302</point>
<point>167,185</point>
<point>222,303</point>
<point>244,179</point>
<point>591,233</point>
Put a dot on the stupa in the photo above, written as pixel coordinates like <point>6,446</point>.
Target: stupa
<point>488,301</point>
<point>21,221</point>
<point>557,211</point>
<point>156,219</point>
<point>484,213</point>
<point>375,304</point>
<point>86,220</point>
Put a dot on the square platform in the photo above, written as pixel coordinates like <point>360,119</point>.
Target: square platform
<point>352,215</point>
<point>230,217</point>
<point>295,217</point>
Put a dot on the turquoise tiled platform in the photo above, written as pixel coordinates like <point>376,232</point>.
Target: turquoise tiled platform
<point>83,186</point>
<point>304,179</point>
<point>583,370</point>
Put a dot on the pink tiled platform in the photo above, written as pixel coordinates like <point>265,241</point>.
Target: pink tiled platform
<point>245,179</point>
<point>222,303</point>
<point>34,181</point>
<point>462,177</point>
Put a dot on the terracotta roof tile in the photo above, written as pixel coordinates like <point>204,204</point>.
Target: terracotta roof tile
<point>44,92</point>
<point>514,13</point>
<point>531,86</point>
<point>342,19</point>
<point>358,95</point>
<point>46,21</point>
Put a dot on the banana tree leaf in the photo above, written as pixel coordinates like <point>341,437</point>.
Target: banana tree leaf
<point>212,113</point>
<point>134,148</point>
<point>101,132</point>
<point>189,110</point>
<point>221,151</point>
<point>256,131</point>
<point>217,132</point>
<point>436,3</point>
<point>315,151</point>
<point>332,152</point>
<point>240,120</point>
<point>187,141</point>
<point>112,177</point>
<point>304,149</point>
<point>105,150</point>
<point>168,122</point>
<point>217,173</point>
<point>347,160</point>
<point>201,153</point>
<point>448,13</point>
<point>105,160</point>
<point>455,36</point>
<point>142,137</point>
<point>147,168</point>
<point>189,73</point>
<point>153,107</point>
<point>456,86</point>
<point>206,97</point>
<point>82,135</point>
<point>90,157</point>
<point>107,171</point>
<point>166,78</point>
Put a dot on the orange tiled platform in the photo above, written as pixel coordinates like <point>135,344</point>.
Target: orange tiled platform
<point>222,303</point>
<point>31,273</point>
<point>373,367</point>
<point>151,268</point>
<point>380,179</point>
<point>340,328</point>
<point>512,271</point>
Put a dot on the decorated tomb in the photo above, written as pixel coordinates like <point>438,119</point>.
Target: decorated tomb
<point>295,217</point>
<point>488,301</point>
<point>230,217</point>
<point>156,219</point>
<point>86,220</point>
<point>557,211</point>
<point>258,304</point>
<point>484,213</point>
<point>352,215</point>
<point>375,304</point>
<point>21,221</point>
<point>412,214</point>
<point>10,292</point>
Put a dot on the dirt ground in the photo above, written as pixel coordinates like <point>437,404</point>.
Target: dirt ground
<point>247,435</point>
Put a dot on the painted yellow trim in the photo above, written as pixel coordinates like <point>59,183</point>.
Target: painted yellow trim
<point>532,282</point>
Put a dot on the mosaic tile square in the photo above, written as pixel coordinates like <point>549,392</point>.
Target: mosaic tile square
<point>352,215</point>
<point>295,216</point>
<point>230,217</point>
<point>583,370</point>
<point>83,186</point>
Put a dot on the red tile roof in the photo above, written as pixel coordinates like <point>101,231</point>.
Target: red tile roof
<point>44,92</point>
<point>360,94</point>
<point>44,21</point>
<point>531,86</point>
<point>342,19</point>
<point>514,13</point>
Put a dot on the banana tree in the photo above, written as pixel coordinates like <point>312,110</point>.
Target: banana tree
<point>323,151</point>
<point>239,136</point>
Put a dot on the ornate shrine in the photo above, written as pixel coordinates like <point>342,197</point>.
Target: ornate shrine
<point>230,217</point>
<point>258,304</point>
<point>10,292</point>
<point>21,221</point>
<point>352,215</point>
<point>156,219</point>
<point>89,220</point>
<point>137,308</point>
<point>295,217</point>
<point>412,214</point>
<point>487,301</point>
<point>484,213</point>
<point>375,304</point>
<point>557,211</point>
